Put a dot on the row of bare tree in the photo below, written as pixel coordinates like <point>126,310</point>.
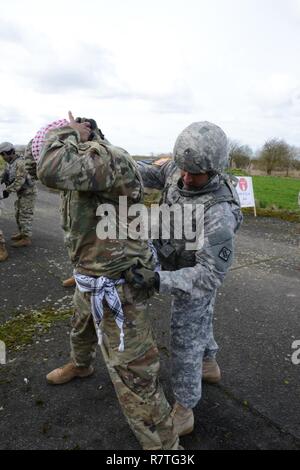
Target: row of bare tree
<point>275,154</point>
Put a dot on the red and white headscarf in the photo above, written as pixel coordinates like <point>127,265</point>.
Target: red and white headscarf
<point>39,139</point>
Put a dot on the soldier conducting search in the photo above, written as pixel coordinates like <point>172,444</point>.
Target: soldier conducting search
<point>195,177</point>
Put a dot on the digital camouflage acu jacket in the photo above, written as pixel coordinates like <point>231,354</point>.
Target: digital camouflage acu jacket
<point>201,271</point>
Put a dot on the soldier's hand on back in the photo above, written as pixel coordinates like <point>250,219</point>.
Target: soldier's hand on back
<point>84,128</point>
<point>5,194</point>
<point>142,278</point>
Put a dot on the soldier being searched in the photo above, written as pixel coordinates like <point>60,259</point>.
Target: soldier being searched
<point>195,176</point>
<point>18,180</point>
<point>91,172</point>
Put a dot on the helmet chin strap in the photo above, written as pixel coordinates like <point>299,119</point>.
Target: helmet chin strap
<point>213,184</point>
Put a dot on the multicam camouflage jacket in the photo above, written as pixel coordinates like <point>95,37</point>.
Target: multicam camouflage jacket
<point>196,272</point>
<point>89,175</point>
<point>16,177</point>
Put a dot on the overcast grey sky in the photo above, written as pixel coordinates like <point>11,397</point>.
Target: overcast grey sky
<point>147,69</point>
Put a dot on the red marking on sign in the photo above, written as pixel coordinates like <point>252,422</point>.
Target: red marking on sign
<point>243,184</point>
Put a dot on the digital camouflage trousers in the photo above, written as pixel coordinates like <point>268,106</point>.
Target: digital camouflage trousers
<point>192,341</point>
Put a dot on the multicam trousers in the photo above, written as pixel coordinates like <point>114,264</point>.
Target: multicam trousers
<point>133,372</point>
<point>24,209</point>
<point>192,340</point>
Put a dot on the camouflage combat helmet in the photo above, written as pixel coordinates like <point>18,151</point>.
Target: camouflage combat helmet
<point>6,147</point>
<point>200,148</point>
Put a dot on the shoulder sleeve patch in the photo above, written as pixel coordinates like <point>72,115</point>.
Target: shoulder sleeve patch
<point>225,254</point>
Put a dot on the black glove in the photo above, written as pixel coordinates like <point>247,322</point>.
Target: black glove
<point>5,194</point>
<point>94,127</point>
<point>142,278</point>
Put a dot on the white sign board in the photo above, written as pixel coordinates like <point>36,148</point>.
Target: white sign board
<point>245,192</point>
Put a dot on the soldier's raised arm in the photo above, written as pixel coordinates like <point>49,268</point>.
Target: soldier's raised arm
<point>154,177</point>
<point>69,161</point>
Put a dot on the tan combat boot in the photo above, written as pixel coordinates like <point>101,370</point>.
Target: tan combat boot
<point>23,241</point>
<point>211,371</point>
<point>3,252</point>
<point>16,236</point>
<point>69,282</point>
<point>183,419</point>
<point>68,372</point>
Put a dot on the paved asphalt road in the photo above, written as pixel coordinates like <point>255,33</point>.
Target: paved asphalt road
<point>256,406</point>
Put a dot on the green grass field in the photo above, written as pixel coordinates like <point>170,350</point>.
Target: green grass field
<point>276,192</point>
